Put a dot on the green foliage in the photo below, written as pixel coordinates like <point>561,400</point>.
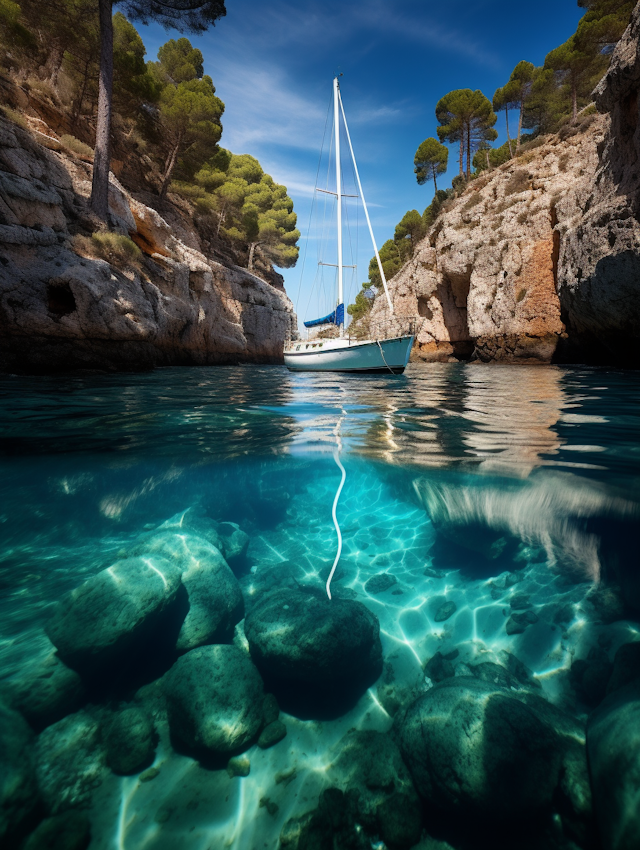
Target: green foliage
<point>133,82</point>
<point>603,24</point>
<point>179,62</point>
<point>189,113</point>
<point>116,249</point>
<point>467,117</point>
<point>75,145</point>
<point>362,304</point>
<point>430,160</point>
<point>431,212</point>
<point>250,207</point>
<point>496,156</point>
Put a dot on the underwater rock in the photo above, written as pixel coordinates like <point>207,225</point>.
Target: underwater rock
<point>68,831</point>
<point>613,743</point>
<point>438,668</point>
<point>330,825</point>
<point>103,619</point>
<point>607,603</point>
<point>316,654</point>
<point>270,709</point>
<point>379,583</point>
<point>518,622</point>
<point>626,666</point>
<point>214,700</point>
<point>590,677</point>
<point>446,610</point>
<point>45,692</point>
<point>272,734</point>
<point>494,674</point>
<point>225,536</point>
<point>130,740</point>
<point>238,766</point>
<point>370,770</point>
<point>215,598</point>
<point>18,788</point>
<point>472,747</point>
<point>519,602</point>
<point>234,542</point>
<point>70,762</point>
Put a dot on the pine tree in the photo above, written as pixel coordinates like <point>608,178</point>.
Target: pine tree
<point>190,15</point>
<point>190,117</point>
<point>430,160</point>
<point>465,116</point>
<point>575,64</point>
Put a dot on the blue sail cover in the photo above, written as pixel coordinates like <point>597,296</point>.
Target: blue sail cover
<point>335,318</point>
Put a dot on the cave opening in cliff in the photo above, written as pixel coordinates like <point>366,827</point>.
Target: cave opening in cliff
<point>455,315</point>
<point>423,307</point>
<point>60,299</point>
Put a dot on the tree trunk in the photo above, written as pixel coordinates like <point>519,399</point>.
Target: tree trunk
<point>461,152</point>
<point>101,157</point>
<point>170,165</point>
<point>488,160</point>
<point>520,124</point>
<point>506,114</point>
<point>252,248</point>
<point>574,98</point>
<point>469,151</point>
<point>434,182</point>
<point>54,62</point>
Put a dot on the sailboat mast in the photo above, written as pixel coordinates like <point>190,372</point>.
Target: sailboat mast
<point>336,122</point>
<point>366,211</point>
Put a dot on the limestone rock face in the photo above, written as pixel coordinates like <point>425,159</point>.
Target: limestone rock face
<point>62,310</point>
<point>599,260</point>
<point>482,283</point>
<point>539,258</point>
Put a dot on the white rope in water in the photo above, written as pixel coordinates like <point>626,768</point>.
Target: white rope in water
<point>336,457</point>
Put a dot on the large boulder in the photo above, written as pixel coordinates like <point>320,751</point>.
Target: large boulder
<point>369,768</point>
<point>70,762</point>
<point>473,748</point>
<point>215,598</point>
<point>45,691</point>
<point>18,789</point>
<point>317,655</point>
<point>130,740</point>
<point>214,700</point>
<point>113,613</point>
<point>613,744</point>
<point>225,536</point>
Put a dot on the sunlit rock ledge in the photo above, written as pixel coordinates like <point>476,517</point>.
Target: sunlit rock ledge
<point>61,309</point>
<point>538,260</point>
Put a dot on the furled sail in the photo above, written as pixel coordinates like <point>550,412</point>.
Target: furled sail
<point>335,318</point>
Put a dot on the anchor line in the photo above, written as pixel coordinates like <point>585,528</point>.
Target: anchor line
<point>336,457</point>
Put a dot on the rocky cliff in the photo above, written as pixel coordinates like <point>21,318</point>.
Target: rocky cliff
<point>539,259</point>
<point>62,307</point>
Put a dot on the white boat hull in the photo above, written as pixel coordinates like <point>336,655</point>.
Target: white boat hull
<point>343,355</point>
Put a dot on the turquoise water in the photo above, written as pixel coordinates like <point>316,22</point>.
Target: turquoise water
<point>456,476</point>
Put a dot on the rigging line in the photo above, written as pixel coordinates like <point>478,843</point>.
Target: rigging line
<point>383,357</point>
<point>336,457</point>
<point>313,199</point>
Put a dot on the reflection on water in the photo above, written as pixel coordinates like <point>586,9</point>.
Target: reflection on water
<point>499,496</point>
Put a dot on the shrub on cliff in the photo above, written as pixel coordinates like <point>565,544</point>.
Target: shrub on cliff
<point>116,249</point>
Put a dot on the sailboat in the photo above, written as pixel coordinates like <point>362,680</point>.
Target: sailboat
<point>343,354</point>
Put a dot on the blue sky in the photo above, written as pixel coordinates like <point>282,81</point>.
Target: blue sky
<point>273,63</point>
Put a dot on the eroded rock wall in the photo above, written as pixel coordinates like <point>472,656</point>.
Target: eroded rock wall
<point>483,281</point>
<point>599,262</point>
<point>60,309</point>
